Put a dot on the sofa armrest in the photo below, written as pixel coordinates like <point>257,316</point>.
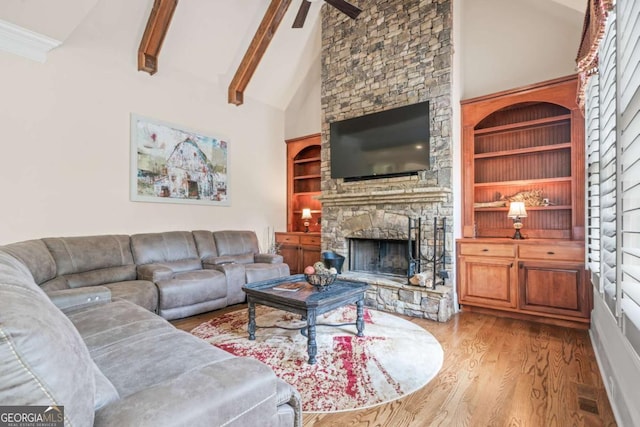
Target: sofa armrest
<point>154,272</point>
<point>67,299</point>
<point>236,278</point>
<point>218,260</point>
<point>269,258</point>
<point>236,391</point>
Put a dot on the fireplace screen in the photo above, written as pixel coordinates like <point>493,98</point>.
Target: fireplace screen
<point>379,256</point>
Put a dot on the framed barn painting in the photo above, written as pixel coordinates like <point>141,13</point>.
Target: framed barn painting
<point>172,164</point>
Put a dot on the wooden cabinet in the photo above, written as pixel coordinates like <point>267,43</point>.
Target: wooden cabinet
<point>525,143</point>
<point>299,249</point>
<point>554,288</point>
<point>488,281</point>
<point>303,182</point>
<point>533,279</point>
<point>487,274</point>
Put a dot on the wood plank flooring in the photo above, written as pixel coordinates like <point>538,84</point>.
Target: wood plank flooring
<point>496,372</point>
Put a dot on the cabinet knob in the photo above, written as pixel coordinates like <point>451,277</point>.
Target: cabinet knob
<point>551,253</point>
<point>485,250</point>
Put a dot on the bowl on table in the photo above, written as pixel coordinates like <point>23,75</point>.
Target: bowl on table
<point>321,281</point>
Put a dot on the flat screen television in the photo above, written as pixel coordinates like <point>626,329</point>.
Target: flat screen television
<point>388,143</point>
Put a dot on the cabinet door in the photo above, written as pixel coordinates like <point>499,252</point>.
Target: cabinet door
<point>310,255</point>
<point>487,281</point>
<point>556,288</point>
<point>291,255</point>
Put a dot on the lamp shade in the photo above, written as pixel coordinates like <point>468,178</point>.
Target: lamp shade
<point>517,210</point>
<point>306,213</point>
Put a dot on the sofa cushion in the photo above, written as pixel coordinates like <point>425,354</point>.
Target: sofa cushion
<point>191,287</point>
<point>140,292</point>
<point>121,334</point>
<point>35,255</point>
<point>236,242</point>
<point>44,360</point>
<point>236,392</point>
<point>260,271</point>
<point>92,260</point>
<point>166,248</point>
<point>205,243</point>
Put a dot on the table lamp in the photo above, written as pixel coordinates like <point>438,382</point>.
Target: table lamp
<point>306,216</point>
<point>516,212</point>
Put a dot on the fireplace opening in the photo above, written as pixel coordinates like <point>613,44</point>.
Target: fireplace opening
<point>380,256</point>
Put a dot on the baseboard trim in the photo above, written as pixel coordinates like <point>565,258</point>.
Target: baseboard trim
<point>618,365</point>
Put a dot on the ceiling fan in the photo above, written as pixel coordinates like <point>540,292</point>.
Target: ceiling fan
<point>345,7</point>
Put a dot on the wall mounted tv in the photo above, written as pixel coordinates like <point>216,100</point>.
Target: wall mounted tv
<point>388,143</point>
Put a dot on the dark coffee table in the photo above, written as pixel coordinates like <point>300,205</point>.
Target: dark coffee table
<point>307,302</point>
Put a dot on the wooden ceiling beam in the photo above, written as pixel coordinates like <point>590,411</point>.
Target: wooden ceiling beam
<point>270,22</point>
<point>154,34</point>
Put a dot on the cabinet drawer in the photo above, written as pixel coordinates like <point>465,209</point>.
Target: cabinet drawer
<point>287,238</point>
<point>484,249</point>
<point>552,252</point>
<point>310,240</point>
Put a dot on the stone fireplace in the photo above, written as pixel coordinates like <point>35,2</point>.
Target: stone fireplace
<point>396,54</point>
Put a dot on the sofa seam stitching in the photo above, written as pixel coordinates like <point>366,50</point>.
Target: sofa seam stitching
<point>248,410</point>
<point>29,371</point>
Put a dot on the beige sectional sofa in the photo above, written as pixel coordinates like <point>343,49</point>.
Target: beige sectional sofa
<point>77,329</point>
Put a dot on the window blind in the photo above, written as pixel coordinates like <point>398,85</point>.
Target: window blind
<point>608,165</point>
<point>592,135</point>
<point>628,65</point>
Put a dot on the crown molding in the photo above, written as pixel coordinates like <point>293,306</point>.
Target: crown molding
<point>26,43</point>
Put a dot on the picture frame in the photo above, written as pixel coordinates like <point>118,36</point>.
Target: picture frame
<point>173,164</point>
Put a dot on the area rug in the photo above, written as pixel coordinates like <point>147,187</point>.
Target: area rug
<point>393,359</point>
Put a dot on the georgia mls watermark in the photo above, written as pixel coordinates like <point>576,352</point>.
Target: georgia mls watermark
<point>31,416</point>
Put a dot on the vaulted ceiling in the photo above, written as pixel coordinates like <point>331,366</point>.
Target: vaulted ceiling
<point>207,39</point>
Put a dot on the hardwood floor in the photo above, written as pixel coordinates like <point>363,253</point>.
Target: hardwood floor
<point>496,372</point>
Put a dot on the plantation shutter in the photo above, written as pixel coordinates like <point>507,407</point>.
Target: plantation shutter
<point>592,134</point>
<point>629,167</point>
<point>607,152</point>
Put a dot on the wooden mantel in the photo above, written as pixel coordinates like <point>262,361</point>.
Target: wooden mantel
<point>270,22</point>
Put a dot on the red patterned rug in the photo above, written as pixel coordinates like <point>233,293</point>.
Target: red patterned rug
<point>393,359</point>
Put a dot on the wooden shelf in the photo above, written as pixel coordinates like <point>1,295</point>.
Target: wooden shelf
<point>307,160</point>
<point>523,182</point>
<point>526,139</point>
<point>564,146</point>
<point>547,121</point>
<point>303,181</point>
<point>529,208</point>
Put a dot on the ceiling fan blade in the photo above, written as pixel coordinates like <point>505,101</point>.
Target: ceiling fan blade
<point>345,7</point>
<point>302,14</point>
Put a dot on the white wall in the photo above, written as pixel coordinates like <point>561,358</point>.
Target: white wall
<point>64,133</point>
<point>512,43</point>
<point>303,116</point>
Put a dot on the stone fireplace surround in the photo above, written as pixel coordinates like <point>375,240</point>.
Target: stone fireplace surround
<point>399,53</point>
<point>346,217</point>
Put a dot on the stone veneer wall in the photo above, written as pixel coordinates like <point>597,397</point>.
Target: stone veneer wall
<point>397,52</point>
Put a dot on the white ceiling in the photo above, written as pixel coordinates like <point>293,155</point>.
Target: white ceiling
<point>206,39</point>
